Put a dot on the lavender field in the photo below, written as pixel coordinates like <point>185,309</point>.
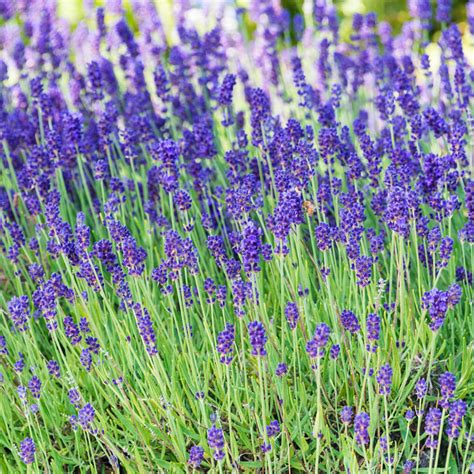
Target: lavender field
<point>236,239</point>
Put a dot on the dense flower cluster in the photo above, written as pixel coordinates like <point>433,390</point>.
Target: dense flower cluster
<point>240,225</point>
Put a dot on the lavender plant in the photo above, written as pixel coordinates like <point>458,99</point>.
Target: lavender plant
<point>242,244</point>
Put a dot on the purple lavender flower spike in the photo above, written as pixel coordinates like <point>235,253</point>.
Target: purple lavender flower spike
<point>361,425</point>
<point>421,388</point>
<point>292,314</point>
<point>373,331</point>
<point>384,379</point>
<point>196,455</point>
<point>225,342</point>
<point>258,338</point>
<point>281,369</point>
<point>432,426</point>
<point>347,414</point>
<point>19,312</point>
<point>334,351</point>
<point>35,386</point>
<point>86,416</point>
<point>350,322</point>
<point>447,384</point>
<point>215,439</point>
<point>27,451</point>
<point>315,347</point>
<point>457,410</point>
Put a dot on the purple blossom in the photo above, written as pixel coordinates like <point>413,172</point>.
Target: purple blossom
<point>3,346</point>
<point>258,338</point>
<point>53,368</point>
<point>182,200</point>
<point>18,307</point>
<point>436,302</point>
<point>408,466</point>
<point>74,397</point>
<point>447,384</point>
<point>35,386</point>
<point>292,314</point>
<point>445,251</point>
<point>443,12</point>
<point>225,92</point>
<point>196,455</point>
<point>251,247</point>
<point>71,330</point>
<point>347,413</point>
<point>133,256</point>
<point>22,393</point>
<point>84,325</point>
<point>266,447</point>
<point>457,410</point>
<point>20,363</point>
<point>361,425</point>
<point>215,439</point>
<point>432,426</point>
<point>225,343</point>
<point>86,415</point>
<point>145,328</point>
<point>349,321</point>
<point>27,451</point>
<point>221,295</point>
<point>454,295</point>
<point>315,347</point>
<point>334,351</point>
<point>273,428</point>
<point>281,369</point>
<point>384,379</point>
<point>86,359</point>
<point>363,266</point>
<point>373,331</point>
<point>421,388</point>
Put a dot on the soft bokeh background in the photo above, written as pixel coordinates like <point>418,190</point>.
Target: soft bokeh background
<point>394,11</point>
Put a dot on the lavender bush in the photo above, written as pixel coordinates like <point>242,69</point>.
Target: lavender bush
<point>240,247</point>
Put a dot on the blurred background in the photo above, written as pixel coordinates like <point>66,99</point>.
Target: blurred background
<point>396,12</point>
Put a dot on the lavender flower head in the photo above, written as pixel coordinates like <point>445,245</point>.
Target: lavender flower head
<point>447,383</point>
<point>18,309</point>
<point>281,369</point>
<point>74,397</point>
<point>225,342</point>
<point>457,410</point>
<point>86,415</point>
<point>443,12</point>
<point>53,368</point>
<point>215,439</point>
<point>315,347</point>
<point>292,314</point>
<point>347,413</point>
<point>384,379</point>
<point>432,425</point>
<point>27,451</point>
<point>334,351</point>
<point>273,428</point>
<point>35,386</point>
<point>350,322</point>
<point>408,466</point>
<point>258,338</point>
<point>438,302</point>
<point>196,455</point>
<point>361,425</point>
<point>421,388</point>
<point>373,331</point>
